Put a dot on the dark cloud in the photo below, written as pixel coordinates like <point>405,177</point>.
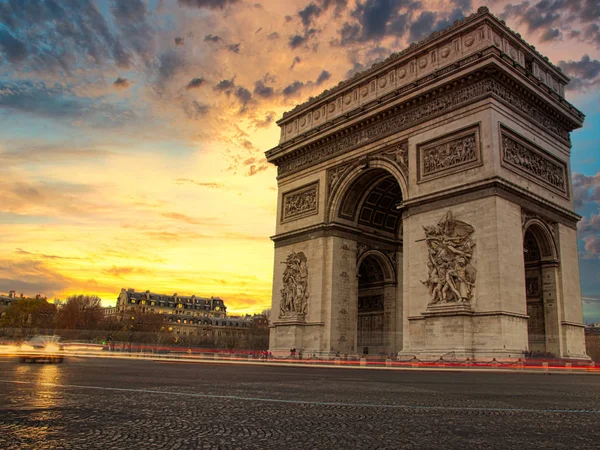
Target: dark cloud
<point>296,41</point>
<point>422,27</point>
<point>31,277</point>
<point>293,88</point>
<point>13,49</point>
<point>585,189</point>
<point>323,77</point>
<point>297,86</point>
<point>179,41</point>
<point>225,86</point>
<point>235,48</point>
<point>210,4</point>
<point>296,60</point>
<point>309,13</point>
<point>52,38</point>
<point>169,64</point>
<point>195,83</point>
<point>591,33</point>
<point>131,20</point>
<point>375,19</point>
<point>122,83</point>
<point>211,38</point>
<point>288,19</point>
<point>340,5</point>
<point>261,90</point>
<point>590,225</point>
<point>545,17</point>
<point>464,5</point>
<point>194,109</point>
<point>550,34</point>
<point>40,100</point>
<point>58,103</point>
<point>273,36</point>
<point>244,96</point>
<point>585,73</point>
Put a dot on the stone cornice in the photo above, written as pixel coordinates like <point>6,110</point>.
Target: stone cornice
<point>490,81</point>
<point>473,34</point>
<point>488,187</point>
<point>331,229</point>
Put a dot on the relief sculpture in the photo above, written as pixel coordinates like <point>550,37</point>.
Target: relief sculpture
<point>294,295</point>
<point>300,203</point>
<point>451,275</point>
<point>449,154</point>
<point>531,162</point>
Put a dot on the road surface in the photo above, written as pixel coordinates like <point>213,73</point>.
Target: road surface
<point>131,404</point>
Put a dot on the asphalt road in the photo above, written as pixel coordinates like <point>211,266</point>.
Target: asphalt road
<point>115,404</point>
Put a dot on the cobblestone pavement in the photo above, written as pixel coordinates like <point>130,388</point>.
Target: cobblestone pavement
<point>115,404</point>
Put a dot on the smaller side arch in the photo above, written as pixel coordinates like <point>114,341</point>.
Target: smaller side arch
<point>389,273</point>
<point>544,237</point>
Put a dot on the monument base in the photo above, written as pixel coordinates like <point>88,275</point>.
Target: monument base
<point>453,331</point>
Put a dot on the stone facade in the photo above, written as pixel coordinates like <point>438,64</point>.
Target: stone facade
<point>413,196</point>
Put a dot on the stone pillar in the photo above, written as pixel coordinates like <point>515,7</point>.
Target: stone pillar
<point>341,270</point>
<point>551,301</point>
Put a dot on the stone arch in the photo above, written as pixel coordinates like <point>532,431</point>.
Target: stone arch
<point>542,268</point>
<point>389,273</point>
<point>355,173</point>
<point>544,238</point>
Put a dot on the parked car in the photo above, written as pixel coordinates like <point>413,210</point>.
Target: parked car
<point>41,348</point>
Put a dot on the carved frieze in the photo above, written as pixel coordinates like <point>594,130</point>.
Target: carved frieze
<point>300,202</point>
<point>527,159</point>
<point>449,154</point>
<point>409,116</point>
<point>294,294</point>
<point>450,246</point>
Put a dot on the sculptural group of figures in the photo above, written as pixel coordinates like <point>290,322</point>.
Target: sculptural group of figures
<point>451,276</point>
<point>533,163</point>
<point>301,202</point>
<point>294,294</point>
<point>449,154</point>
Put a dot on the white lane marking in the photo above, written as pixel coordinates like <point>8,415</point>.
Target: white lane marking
<point>304,402</point>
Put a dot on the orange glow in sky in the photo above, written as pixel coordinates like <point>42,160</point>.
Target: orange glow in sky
<point>133,132</point>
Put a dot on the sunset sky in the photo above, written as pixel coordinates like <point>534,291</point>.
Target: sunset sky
<point>133,132</point>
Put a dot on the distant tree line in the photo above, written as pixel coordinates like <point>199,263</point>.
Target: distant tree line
<point>81,317</point>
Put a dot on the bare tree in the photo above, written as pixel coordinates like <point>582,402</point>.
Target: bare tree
<point>80,312</point>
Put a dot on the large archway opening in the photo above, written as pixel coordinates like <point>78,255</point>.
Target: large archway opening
<point>371,205</point>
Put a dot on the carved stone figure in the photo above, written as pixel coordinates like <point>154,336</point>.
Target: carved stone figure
<point>451,276</point>
<point>300,203</point>
<point>294,294</point>
<point>534,163</point>
<point>449,154</point>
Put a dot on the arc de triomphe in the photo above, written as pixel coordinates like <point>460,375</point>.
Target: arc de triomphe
<point>425,206</point>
